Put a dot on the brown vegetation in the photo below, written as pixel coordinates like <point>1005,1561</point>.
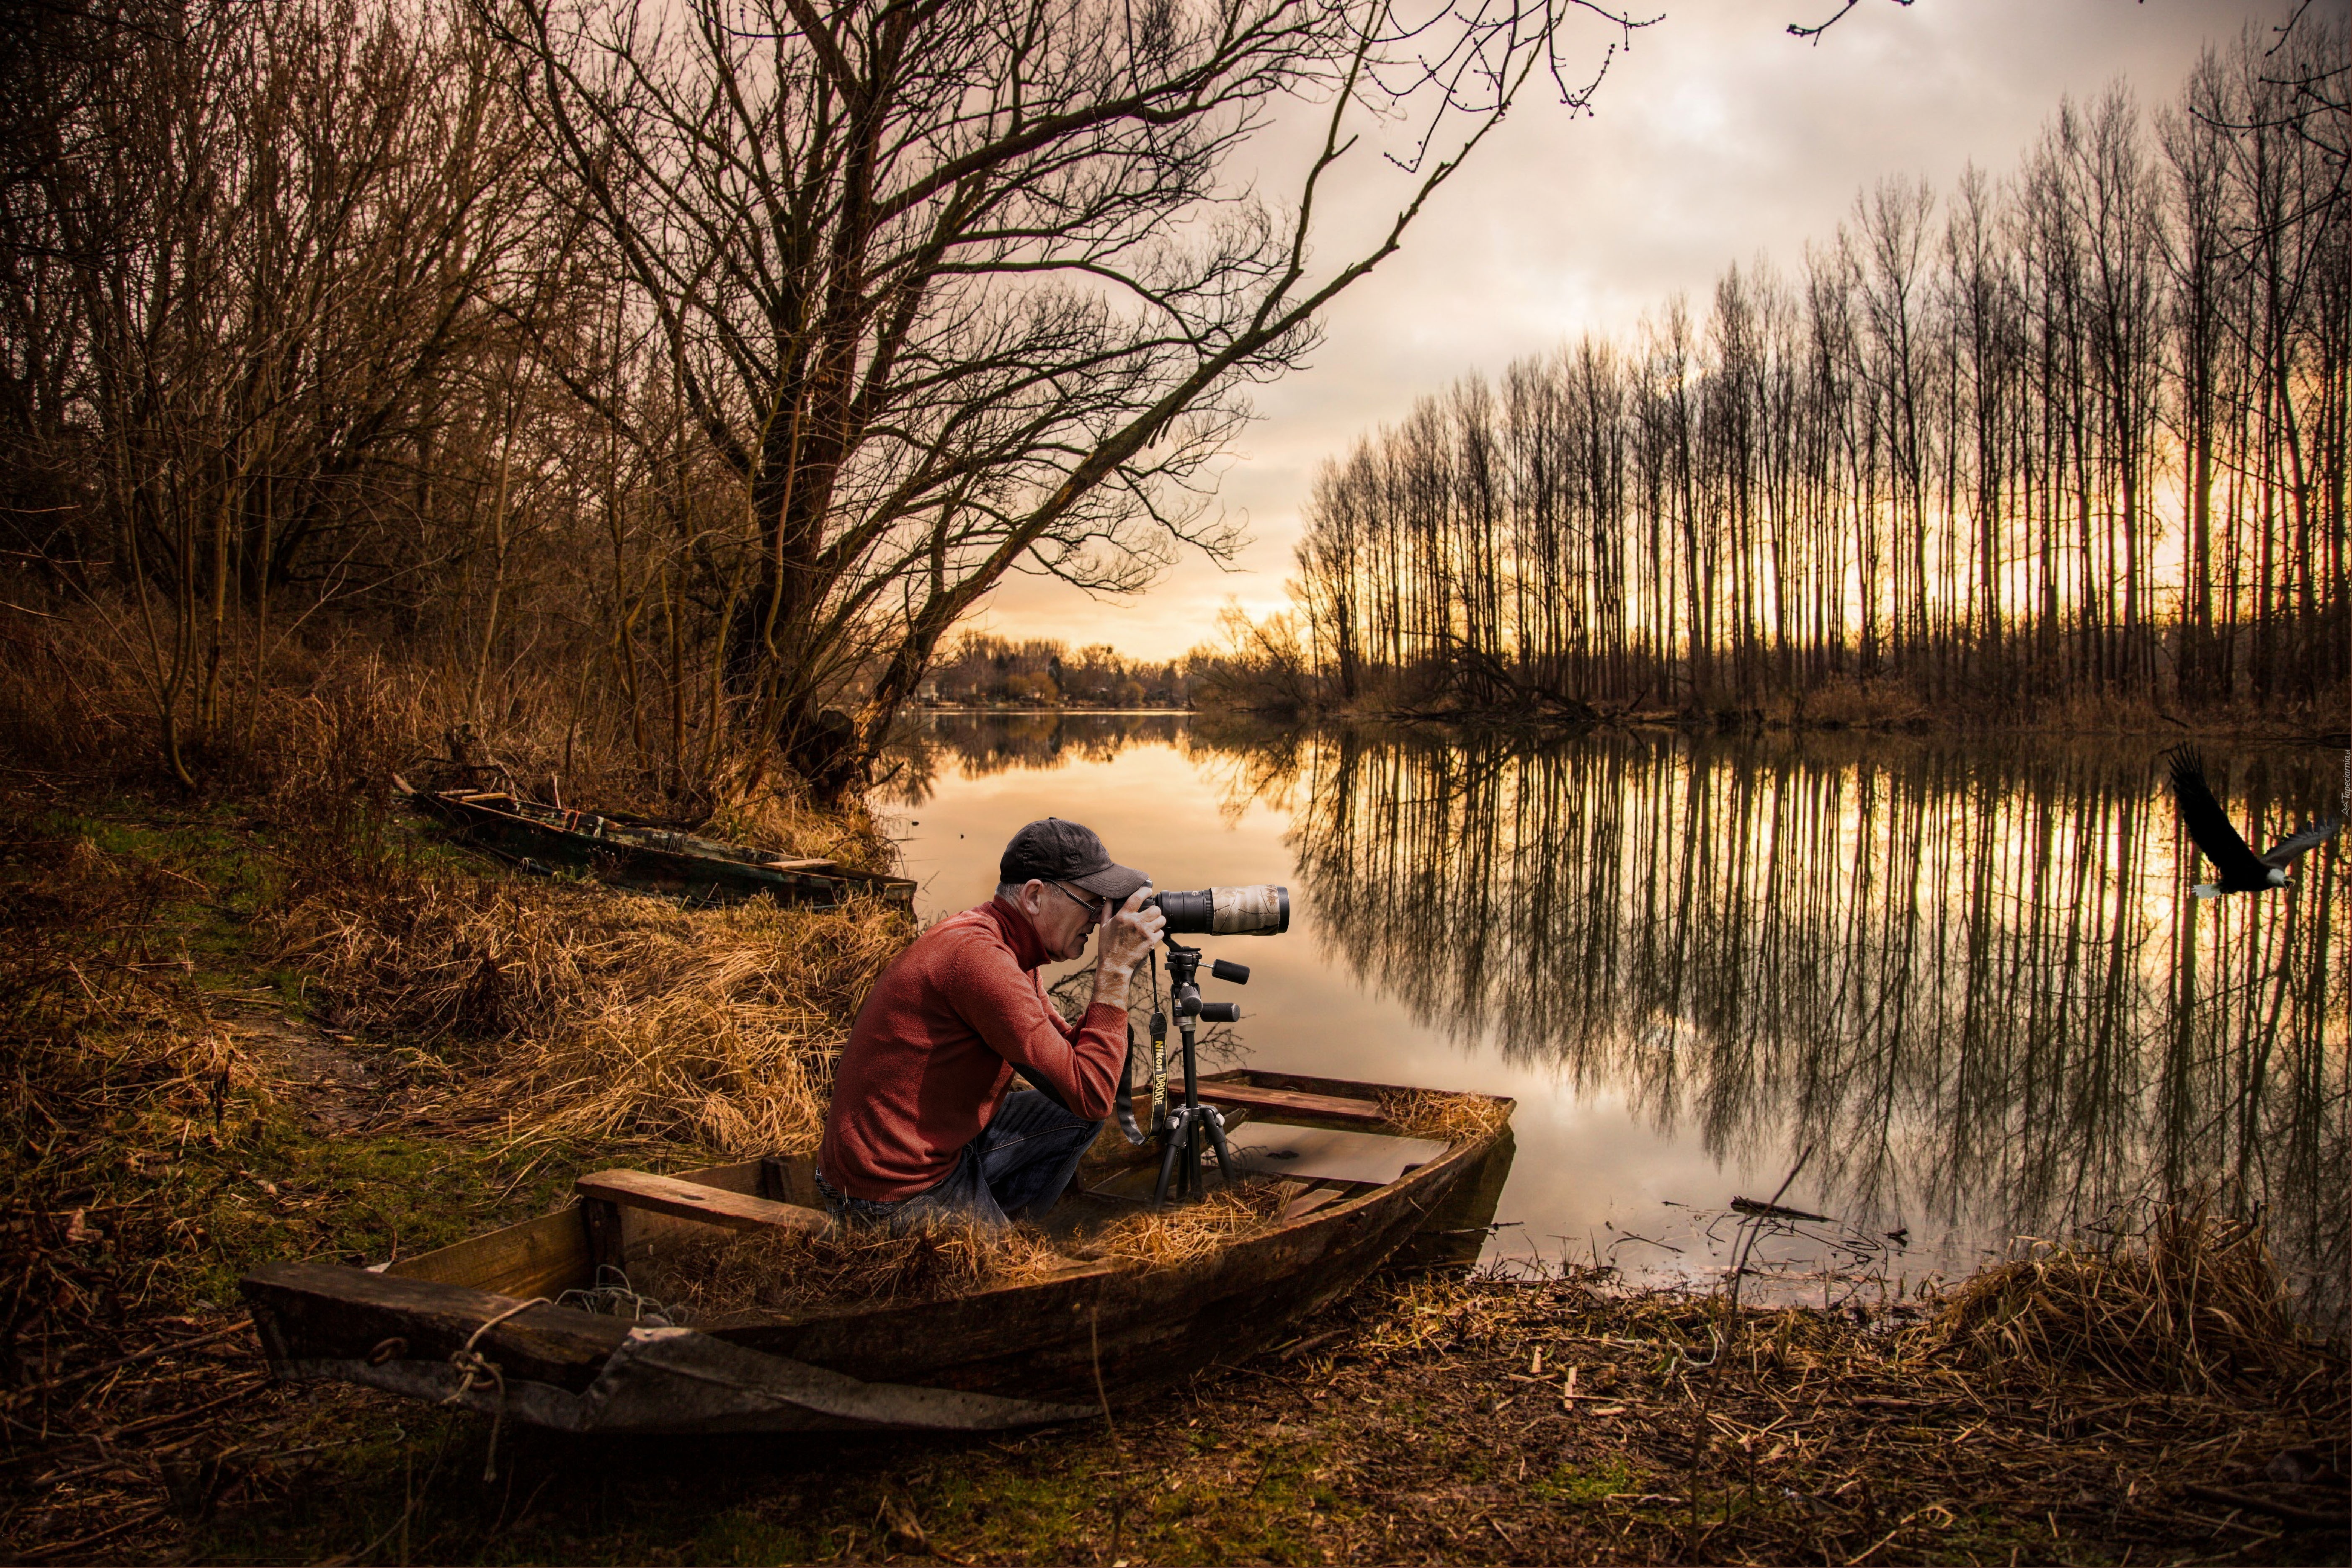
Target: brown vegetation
<point>603,1017</point>
<point>1431,1113</point>
<point>799,1270</point>
<point>718,378</point>
<point>2192,1305</point>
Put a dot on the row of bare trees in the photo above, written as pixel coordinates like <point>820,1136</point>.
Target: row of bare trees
<point>720,355</point>
<point>2080,431</point>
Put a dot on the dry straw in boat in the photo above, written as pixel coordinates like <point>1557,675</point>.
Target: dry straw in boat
<point>1450,1118</point>
<point>839,1266</point>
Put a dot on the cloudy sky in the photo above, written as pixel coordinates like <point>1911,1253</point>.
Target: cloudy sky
<point>1716,137</point>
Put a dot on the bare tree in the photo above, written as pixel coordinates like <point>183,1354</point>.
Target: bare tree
<point>959,288</point>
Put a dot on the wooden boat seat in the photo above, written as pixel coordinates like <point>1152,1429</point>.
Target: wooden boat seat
<point>685,1200</point>
<point>1322,1107</point>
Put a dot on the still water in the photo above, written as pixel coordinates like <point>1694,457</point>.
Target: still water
<point>1959,987</point>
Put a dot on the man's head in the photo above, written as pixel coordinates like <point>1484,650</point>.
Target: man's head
<point>1060,876</point>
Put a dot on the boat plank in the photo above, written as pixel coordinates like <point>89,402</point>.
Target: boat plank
<point>537,1257</point>
<point>1307,1203</point>
<point>1329,1108</point>
<point>324,1311</point>
<point>690,1200</point>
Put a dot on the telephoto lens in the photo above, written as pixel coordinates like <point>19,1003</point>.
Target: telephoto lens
<point>1259,909</point>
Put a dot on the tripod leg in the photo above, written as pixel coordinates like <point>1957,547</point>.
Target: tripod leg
<point>1188,1168</point>
<point>1176,1140</point>
<point>1217,1140</point>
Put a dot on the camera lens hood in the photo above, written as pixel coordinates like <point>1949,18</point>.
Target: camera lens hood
<point>1260,908</point>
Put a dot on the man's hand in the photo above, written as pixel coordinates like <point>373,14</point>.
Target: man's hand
<point>1127,936</point>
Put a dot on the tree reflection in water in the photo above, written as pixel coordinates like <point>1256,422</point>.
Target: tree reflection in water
<point>1969,973</point>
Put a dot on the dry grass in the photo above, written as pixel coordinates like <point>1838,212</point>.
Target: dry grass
<point>2190,1303</point>
<point>1171,1238</point>
<point>1431,1113</point>
<point>97,1010</point>
<point>604,1016</point>
<point>841,1265</point>
<point>2146,1396</point>
<point>313,741</point>
<point>794,1271</point>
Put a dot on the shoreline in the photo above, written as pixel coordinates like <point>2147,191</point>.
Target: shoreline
<point>1425,1419</point>
<point>199,1097</point>
<point>2268,729</point>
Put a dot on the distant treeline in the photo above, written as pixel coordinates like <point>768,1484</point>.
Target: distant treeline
<point>2079,431</point>
<point>1043,673</point>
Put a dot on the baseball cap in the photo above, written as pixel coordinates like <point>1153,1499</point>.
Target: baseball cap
<point>1054,850</point>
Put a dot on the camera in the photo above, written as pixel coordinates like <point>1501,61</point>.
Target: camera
<point>1259,909</point>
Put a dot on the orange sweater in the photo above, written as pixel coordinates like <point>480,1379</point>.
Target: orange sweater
<point>934,1048</point>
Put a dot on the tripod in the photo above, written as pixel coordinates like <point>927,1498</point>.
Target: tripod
<point>1183,1126</point>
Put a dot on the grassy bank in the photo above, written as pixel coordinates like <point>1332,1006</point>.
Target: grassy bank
<point>238,1033</point>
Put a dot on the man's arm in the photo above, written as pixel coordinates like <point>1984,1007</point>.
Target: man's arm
<point>1082,1069</point>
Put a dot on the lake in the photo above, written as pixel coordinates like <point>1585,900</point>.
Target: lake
<point>1958,987</point>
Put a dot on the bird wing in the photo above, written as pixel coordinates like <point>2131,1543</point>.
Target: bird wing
<point>2207,823</point>
<point>2286,850</point>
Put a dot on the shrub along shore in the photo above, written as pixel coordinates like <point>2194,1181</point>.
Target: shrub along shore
<point>265,1029</point>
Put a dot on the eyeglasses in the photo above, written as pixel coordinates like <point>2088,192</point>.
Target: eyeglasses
<point>1095,907</point>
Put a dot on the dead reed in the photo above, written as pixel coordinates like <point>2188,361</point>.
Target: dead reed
<point>95,997</point>
<point>1431,1113</point>
<point>1168,1238</point>
<point>839,1266</point>
<point>2008,1418</point>
<point>114,1068</point>
<point>311,736</point>
<point>2188,1302</point>
<point>601,1016</point>
<point>843,1266</point>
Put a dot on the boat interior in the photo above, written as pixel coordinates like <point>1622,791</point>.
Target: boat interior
<point>1322,1142</point>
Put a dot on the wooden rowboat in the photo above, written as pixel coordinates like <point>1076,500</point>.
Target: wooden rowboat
<point>476,1323</point>
<point>636,855</point>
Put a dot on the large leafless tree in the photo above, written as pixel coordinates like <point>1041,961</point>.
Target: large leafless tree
<point>961,288</point>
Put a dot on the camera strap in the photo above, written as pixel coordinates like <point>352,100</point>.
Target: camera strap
<point>1158,1050</point>
<point>1123,1107</point>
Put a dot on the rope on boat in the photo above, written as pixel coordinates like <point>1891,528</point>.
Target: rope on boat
<point>478,1369</point>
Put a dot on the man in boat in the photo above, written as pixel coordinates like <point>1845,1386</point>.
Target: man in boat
<point>922,1124</point>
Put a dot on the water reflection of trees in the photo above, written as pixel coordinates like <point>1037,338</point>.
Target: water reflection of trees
<point>929,745</point>
<point>1971,978</point>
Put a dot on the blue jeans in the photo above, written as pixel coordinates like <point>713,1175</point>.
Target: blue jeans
<point>1019,1163</point>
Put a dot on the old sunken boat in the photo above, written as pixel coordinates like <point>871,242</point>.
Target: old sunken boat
<point>648,858</point>
<point>476,1323</point>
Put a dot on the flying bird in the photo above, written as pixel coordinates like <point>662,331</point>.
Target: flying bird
<point>2243,870</point>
